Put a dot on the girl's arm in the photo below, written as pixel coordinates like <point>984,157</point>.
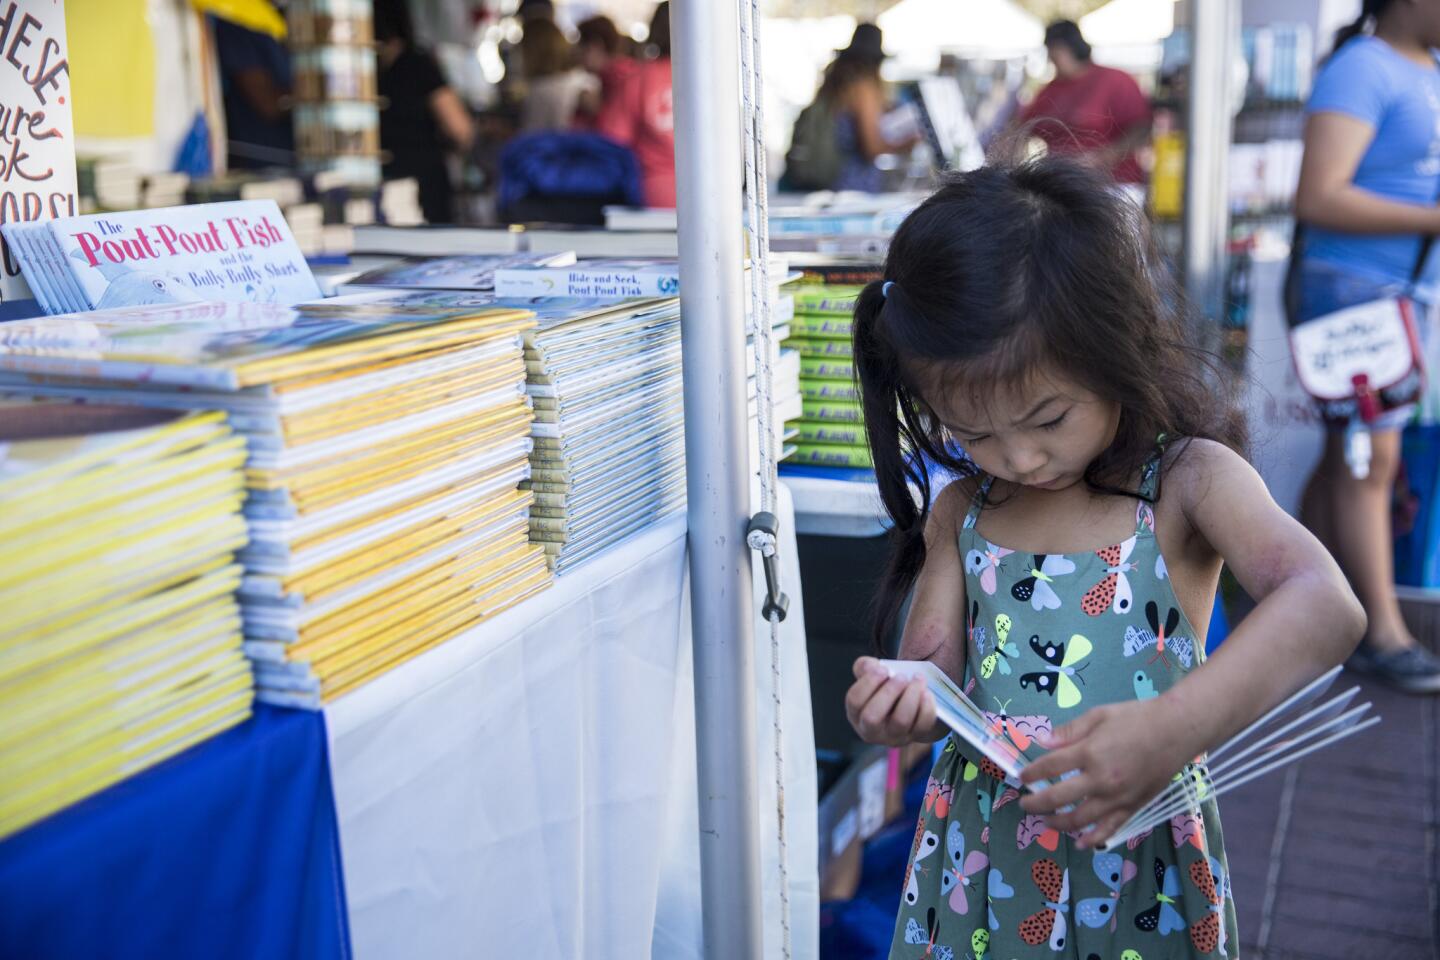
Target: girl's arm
<point>1306,620</point>
<point>1327,196</point>
<point>866,102</point>
<point>887,710</point>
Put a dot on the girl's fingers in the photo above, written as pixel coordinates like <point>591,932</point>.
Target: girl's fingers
<point>1104,830</point>
<point>925,722</point>
<point>907,708</point>
<point>1088,812</point>
<point>1057,795</point>
<point>860,693</point>
<point>869,667</point>
<point>1053,765</point>
<point>882,701</point>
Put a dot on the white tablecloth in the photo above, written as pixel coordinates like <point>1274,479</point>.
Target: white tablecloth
<point>529,789</point>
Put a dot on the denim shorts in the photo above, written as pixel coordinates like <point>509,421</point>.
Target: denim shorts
<point>1325,288</point>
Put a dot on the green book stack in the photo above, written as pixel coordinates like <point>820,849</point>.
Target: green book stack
<point>831,430</point>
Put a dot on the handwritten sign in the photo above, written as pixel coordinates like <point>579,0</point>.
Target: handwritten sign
<point>37,138</point>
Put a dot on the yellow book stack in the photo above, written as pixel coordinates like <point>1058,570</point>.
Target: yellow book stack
<point>120,642</point>
<point>386,445</point>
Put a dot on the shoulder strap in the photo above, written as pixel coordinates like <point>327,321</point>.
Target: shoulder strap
<point>1149,489</point>
<point>977,503</point>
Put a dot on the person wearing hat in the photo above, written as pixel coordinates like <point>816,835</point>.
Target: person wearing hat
<point>1094,112</point>
<point>838,137</point>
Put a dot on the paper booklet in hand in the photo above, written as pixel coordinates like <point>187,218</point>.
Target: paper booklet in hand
<point>1297,727</point>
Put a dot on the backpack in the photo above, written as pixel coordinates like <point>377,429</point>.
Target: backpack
<point>813,161</point>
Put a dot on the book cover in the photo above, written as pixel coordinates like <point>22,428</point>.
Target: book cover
<point>830,391</point>
<point>821,432</point>
<point>608,278</point>
<point>831,327</point>
<point>825,368</point>
<point>825,301</point>
<point>600,279</point>
<point>835,349</point>
<point>239,251</point>
<point>225,346</point>
<point>474,274</point>
<point>831,411</point>
<point>821,270</point>
<point>832,455</point>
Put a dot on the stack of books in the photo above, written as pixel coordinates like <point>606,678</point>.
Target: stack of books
<point>107,183</point>
<point>120,641</point>
<point>386,444</point>
<point>285,190</point>
<point>831,429</point>
<point>604,379</point>
<point>163,189</point>
<point>609,459</point>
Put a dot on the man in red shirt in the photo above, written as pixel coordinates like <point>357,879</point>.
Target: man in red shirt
<point>1089,110</point>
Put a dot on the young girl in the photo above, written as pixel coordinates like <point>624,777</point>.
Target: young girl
<point>1066,580</point>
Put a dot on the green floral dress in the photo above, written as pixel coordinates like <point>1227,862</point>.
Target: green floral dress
<point>1050,637</point>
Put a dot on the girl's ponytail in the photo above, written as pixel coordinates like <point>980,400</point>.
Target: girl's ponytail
<point>884,396</point>
<point>1370,10</point>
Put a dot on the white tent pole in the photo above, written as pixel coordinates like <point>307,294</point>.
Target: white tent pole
<point>708,156</point>
<point>1207,143</point>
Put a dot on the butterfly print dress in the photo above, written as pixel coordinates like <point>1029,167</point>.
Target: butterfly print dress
<point>1049,637</point>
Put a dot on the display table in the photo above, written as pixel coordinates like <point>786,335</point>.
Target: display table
<point>227,850</point>
<point>528,789</point>
<point>837,508</point>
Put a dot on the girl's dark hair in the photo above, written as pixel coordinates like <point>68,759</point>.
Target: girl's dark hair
<point>1066,33</point>
<point>1003,272</point>
<point>1370,11</point>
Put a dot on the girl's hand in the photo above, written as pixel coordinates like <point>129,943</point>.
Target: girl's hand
<point>1125,753</point>
<point>888,710</point>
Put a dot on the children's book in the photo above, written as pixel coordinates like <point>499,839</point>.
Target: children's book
<point>226,346</point>
<point>607,278</point>
<point>463,273</point>
<point>238,251</point>
<point>1294,729</point>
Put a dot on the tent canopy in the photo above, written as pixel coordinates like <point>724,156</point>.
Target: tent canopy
<point>918,29</point>
<point>1128,22</point>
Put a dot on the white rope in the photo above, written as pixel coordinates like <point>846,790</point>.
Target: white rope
<point>758,234</point>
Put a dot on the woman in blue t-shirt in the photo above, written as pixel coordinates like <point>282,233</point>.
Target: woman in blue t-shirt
<point>1368,193</point>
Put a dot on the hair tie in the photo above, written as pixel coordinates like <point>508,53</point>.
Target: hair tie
<point>885,288</point>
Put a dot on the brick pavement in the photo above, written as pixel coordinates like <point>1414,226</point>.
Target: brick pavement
<point>1336,858</point>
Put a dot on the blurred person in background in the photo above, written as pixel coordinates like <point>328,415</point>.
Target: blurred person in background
<point>1096,113</point>
<point>838,138</point>
<point>423,116</point>
<point>255,82</point>
<point>638,111</point>
<point>554,84</point>
<point>1369,184</point>
<point>602,54</point>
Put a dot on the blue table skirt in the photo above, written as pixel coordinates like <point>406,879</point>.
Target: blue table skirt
<point>227,850</point>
